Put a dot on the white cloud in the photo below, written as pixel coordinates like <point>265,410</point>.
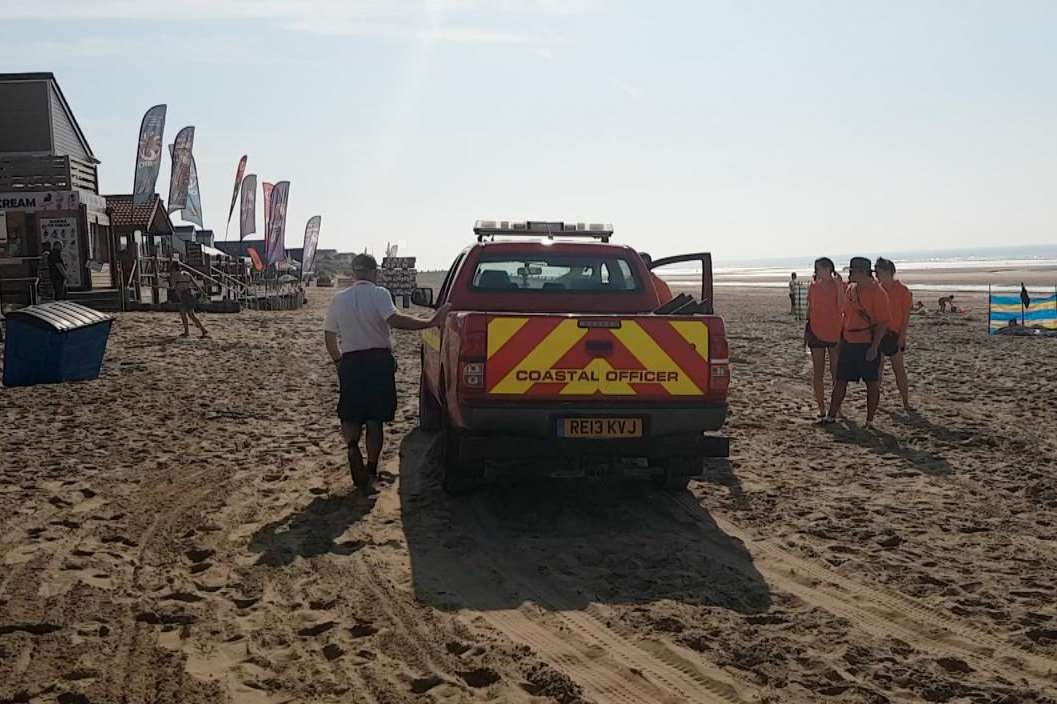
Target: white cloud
<point>84,47</point>
<point>462,21</point>
<point>308,10</point>
<point>629,89</point>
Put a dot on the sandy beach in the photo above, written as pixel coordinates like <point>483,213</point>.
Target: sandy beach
<point>184,530</point>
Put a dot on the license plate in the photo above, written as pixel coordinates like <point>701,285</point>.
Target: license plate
<point>601,428</point>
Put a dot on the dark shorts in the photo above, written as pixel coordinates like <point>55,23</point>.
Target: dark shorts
<point>185,301</point>
<point>852,364</point>
<point>58,287</point>
<point>890,344</point>
<point>368,386</point>
<point>813,341</point>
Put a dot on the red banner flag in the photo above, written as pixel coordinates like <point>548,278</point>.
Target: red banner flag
<point>257,263</point>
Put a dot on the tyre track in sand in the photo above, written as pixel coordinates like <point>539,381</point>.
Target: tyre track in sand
<point>605,663</point>
<point>882,612</point>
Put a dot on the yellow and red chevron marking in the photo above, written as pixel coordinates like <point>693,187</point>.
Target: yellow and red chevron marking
<point>554,356</point>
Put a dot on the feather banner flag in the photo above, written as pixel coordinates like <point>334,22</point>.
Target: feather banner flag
<point>248,207</point>
<point>239,173</point>
<point>308,254</point>
<point>181,168</point>
<point>275,239</point>
<point>148,155</point>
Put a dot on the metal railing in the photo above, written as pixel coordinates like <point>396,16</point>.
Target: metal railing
<point>240,287</point>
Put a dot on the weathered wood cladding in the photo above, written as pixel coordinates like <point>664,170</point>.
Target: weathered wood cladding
<point>64,133</point>
<point>35,118</point>
<point>47,173</point>
<point>25,126</point>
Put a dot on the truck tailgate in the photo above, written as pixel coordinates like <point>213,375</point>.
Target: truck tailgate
<point>636,357</point>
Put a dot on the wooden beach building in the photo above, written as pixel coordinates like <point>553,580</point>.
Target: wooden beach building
<point>49,192</point>
<point>143,237</point>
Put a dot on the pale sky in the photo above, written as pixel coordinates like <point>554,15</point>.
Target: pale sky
<point>751,129</point>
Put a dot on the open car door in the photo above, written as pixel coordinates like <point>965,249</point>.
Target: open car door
<point>705,259</point>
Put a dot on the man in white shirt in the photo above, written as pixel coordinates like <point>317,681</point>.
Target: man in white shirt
<point>357,339</point>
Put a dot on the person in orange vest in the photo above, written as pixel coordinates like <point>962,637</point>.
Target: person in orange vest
<point>664,291</point>
<point>894,344</point>
<point>825,299</point>
<point>866,314</point>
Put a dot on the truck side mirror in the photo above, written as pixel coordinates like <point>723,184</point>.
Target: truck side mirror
<point>422,297</point>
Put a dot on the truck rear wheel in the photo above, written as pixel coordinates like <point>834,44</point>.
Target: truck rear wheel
<point>460,476</point>
<point>429,410</point>
<point>678,471</point>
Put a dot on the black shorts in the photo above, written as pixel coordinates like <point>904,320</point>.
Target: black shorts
<point>852,364</point>
<point>368,386</point>
<point>890,344</point>
<point>186,300</point>
<point>813,341</point>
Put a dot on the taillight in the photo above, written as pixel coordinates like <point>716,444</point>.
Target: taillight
<point>718,356</point>
<point>473,374</point>
<point>473,352</point>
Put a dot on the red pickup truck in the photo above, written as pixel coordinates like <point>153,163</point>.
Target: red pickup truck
<point>554,349</point>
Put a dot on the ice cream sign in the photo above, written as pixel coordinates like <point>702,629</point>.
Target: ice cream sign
<point>44,200</point>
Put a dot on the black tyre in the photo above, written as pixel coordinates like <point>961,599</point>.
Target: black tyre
<point>429,410</point>
<point>460,476</point>
<point>678,471</point>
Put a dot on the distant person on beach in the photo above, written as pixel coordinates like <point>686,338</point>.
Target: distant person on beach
<point>356,333</point>
<point>792,293</point>
<point>823,327</point>
<point>664,291</point>
<point>947,302</point>
<point>866,313</point>
<point>894,343</point>
<point>57,272</point>
<point>185,289</point>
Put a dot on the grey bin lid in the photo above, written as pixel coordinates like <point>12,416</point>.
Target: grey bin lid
<point>61,315</point>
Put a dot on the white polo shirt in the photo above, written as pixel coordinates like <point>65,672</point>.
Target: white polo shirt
<point>359,317</point>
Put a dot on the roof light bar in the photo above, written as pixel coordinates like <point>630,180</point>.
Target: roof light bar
<point>541,228</point>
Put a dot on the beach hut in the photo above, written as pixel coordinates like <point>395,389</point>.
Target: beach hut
<point>49,192</point>
<point>53,343</point>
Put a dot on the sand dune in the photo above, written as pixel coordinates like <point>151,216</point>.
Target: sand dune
<point>184,530</point>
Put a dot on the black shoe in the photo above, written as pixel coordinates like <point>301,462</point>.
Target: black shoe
<point>360,477</point>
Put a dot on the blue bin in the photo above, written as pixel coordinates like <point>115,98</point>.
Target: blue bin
<point>53,343</point>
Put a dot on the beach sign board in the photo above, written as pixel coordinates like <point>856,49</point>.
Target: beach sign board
<point>64,230</point>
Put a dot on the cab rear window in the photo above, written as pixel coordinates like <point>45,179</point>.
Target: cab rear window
<point>554,273</point>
